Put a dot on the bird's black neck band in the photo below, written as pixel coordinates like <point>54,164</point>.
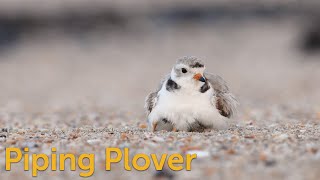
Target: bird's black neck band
<point>204,88</point>
<point>172,85</point>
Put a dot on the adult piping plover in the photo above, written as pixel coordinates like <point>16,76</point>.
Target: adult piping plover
<point>189,99</point>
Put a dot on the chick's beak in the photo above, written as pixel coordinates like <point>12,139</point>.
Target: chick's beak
<point>199,77</point>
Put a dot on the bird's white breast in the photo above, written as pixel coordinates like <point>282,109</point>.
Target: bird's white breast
<point>185,106</point>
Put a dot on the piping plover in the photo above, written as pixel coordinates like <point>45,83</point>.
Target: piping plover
<point>190,99</point>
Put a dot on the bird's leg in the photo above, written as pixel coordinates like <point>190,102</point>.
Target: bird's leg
<point>174,129</point>
<point>154,126</point>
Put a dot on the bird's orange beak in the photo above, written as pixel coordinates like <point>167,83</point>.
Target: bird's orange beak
<point>199,77</point>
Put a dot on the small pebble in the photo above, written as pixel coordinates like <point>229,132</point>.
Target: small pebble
<point>200,154</point>
<point>93,141</point>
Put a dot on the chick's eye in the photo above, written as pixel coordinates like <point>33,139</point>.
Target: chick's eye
<point>184,70</point>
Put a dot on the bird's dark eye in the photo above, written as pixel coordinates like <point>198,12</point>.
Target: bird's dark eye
<point>184,70</point>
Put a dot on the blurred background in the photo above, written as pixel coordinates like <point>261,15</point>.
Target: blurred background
<point>57,54</point>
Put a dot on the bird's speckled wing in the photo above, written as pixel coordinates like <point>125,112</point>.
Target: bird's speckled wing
<point>152,98</point>
<point>226,102</point>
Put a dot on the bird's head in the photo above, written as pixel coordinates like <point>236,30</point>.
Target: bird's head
<point>188,70</point>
